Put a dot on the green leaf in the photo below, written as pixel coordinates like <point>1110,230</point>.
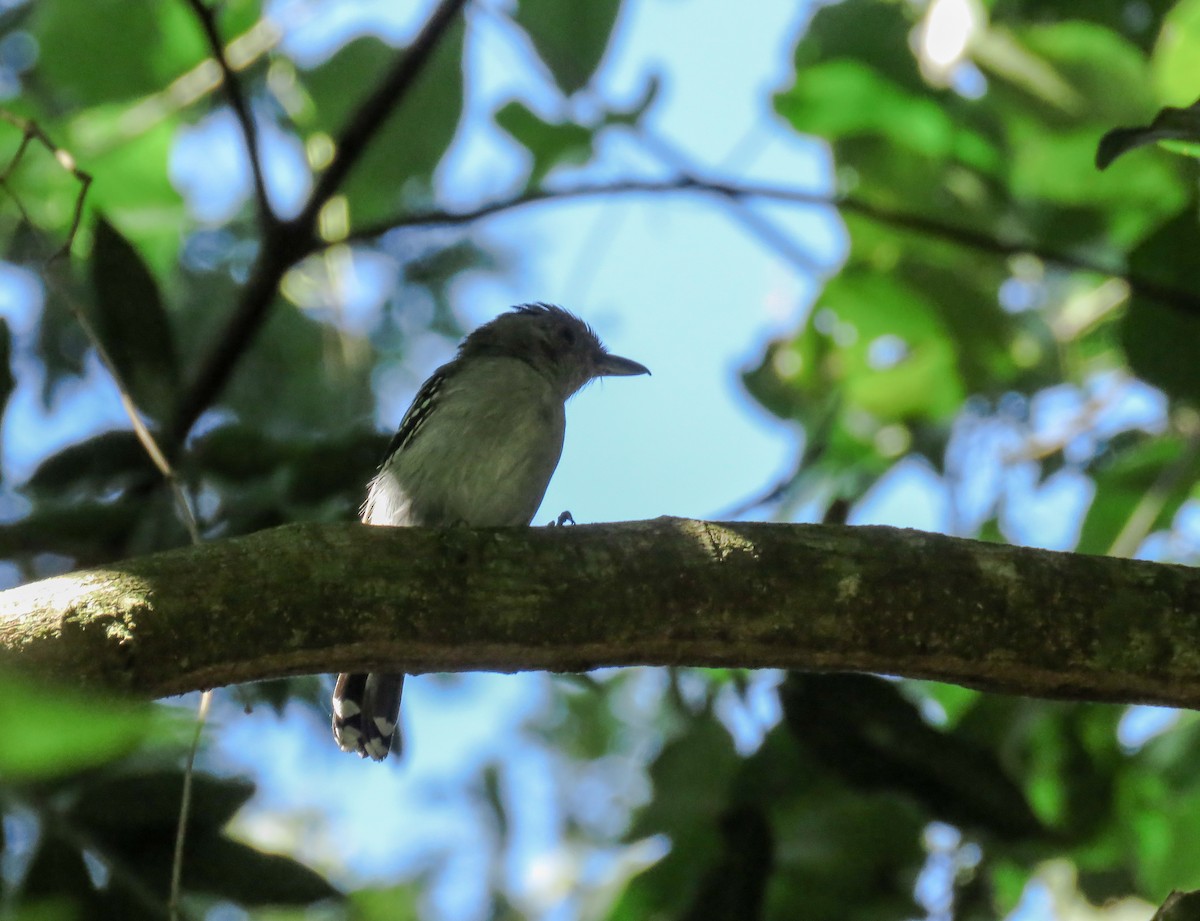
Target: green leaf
<point>570,36</point>
<point>1179,906</point>
<point>1168,125</point>
<point>863,729</point>
<point>551,144</point>
<point>51,732</point>
<point>397,168</point>
<point>1178,49</point>
<point>1161,865</point>
<point>231,870</point>
<point>132,325</point>
<point>872,31</point>
<point>130,180</point>
<point>96,51</point>
<point>395,903</point>
<point>112,50</point>
<point>631,114</point>
<point>328,391</point>
<point>684,797</point>
<point>130,804</point>
<point>888,352</point>
<point>1154,476</point>
<point>98,464</point>
<point>583,725</point>
<point>57,872</point>
<point>1127,202</point>
<point>735,887</point>
<point>847,98</point>
<point>1162,343</point>
<point>837,847</point>
<point>85,531</point>
<point>1075,73</point>
<point>686,806</point>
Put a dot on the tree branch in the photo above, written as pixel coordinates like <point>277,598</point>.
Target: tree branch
<point>324,598</point>
<point>1164,294</point>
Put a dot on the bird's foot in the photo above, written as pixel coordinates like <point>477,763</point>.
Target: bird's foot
<point>564,518</point>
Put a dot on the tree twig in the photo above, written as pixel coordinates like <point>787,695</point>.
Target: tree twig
<point>1164,294</point>
<point>238,101</point>
<point>185,808</point>
<point>32,131</point>
<point>758,224</point>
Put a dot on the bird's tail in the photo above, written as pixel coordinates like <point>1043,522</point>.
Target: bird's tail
<point>365,711</point>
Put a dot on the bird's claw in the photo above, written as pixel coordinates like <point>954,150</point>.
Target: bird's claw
<point>564,518</point>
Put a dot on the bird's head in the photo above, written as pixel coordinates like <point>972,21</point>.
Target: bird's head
<point>554,342</point>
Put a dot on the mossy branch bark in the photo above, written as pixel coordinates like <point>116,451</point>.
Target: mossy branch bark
<point>326,598</point>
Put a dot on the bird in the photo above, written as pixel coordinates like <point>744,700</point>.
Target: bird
<point>476,447</point>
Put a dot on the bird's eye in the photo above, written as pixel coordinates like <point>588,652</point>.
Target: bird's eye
<point>567,335</point>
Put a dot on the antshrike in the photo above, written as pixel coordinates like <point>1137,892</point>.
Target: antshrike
<point>477,447</point>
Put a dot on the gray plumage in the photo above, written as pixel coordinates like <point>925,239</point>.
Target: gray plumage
<point>477,447</point>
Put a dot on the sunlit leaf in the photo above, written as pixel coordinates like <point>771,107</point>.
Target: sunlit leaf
<point>848,98</point>
<point>1174,60</point>
<point>52,732</point>
<point>396,903</point>
<point>398,165</point>
<point>80,42</point>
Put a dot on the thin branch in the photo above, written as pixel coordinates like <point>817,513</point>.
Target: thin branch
<point>236,96</point>
<point>1166,295</point>
<point>144,436</point>
<point>758,224</point>
<point>346,597</point>
<point>185,807</point>
<point>32,131</point>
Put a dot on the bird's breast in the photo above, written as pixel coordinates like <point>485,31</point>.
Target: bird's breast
<point>483,458</point>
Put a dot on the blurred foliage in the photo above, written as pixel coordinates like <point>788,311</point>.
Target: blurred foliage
<point>91,790</point>
<point>990,269</point>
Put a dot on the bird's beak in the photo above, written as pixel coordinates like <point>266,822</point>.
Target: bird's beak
<point>616,366</point>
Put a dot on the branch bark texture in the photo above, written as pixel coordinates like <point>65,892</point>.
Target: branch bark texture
<point>312,598</point>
